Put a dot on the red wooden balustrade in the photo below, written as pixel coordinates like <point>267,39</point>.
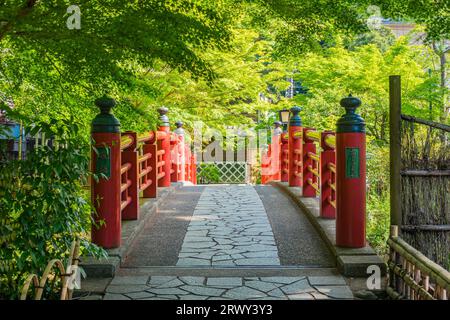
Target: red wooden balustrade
<point>314,162</point>
<point>328,165</point>
<point>328,175</point>
<point>142,167</point>
<point>310,168</point>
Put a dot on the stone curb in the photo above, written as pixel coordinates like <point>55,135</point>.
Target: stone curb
<point>350,262</point>
<point>106,268</point>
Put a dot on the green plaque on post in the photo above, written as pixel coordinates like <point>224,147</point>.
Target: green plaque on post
<point>103,163</point>
<point>352,163</point>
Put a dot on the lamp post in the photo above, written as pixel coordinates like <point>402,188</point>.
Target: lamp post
<point>284,118</point>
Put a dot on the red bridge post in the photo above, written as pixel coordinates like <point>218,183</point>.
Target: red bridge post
<point>188,164</point>
<point>106,164</point>
<point>174,156</point>
<point>181,158</point>
<point>276,148</point>
<point>284,157</point>
<point>276,151</point>
<point>308,147</point>
<point>295,148</point>
<point>327,177</point>
<point>194,168</point>
<point>130,155</point>
<point>164,144</point>
<point>150,147</point>
<point>351,177</point>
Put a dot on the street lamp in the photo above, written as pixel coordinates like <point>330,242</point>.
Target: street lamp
<point>284,117</point>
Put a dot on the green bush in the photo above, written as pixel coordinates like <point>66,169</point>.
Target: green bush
<point>43,206</point>
<point>378,205</point>
<point>208,173</point>
<point>378,222</point>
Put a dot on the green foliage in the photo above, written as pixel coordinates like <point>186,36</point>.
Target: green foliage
<point>378,205</point>
<point>206,60</point>
<point>364,72</point>
<point>306,25</point>
<point>434,15</point>
<point>378,222</point>
<point>52,72</point>
<point>208,173</point>
<point>303,26</point>
<point>43,205</point>
<point>242,73</point>
<point>362,69</point>
<point>115,31</point>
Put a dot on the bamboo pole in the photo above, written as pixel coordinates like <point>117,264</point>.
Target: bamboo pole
<point>395,148</point>
<point>436,125</point>
<point>425,173</point>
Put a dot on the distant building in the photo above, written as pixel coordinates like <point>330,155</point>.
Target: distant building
<point>400,29</point>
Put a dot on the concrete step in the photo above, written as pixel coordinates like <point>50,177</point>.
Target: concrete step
<point>232,271</point>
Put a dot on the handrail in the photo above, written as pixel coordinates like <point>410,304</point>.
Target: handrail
<point>313,135</point>
<point>436,125</point>
<point>434,270</point>
<point>126,141</point>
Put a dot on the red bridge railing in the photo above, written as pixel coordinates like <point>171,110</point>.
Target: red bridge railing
<point>327,165</point>
<point>129,165</point>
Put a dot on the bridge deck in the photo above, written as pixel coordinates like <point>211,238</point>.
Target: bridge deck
<point>232,241</point>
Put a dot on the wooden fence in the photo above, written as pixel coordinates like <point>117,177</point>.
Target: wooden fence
<point>420,204</point>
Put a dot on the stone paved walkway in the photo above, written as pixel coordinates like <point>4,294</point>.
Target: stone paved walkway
<point>216,242</point>
<point>229,227</point>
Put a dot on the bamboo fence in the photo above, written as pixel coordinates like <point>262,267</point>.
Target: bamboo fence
<point>412,275</point>
<point>55,273</point>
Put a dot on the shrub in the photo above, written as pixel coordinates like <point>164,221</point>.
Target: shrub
<point>208,173</point>
<point>43,206</point>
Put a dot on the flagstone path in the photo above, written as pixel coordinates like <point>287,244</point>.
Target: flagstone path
<point>229,227</point>
<point>228,242</point>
